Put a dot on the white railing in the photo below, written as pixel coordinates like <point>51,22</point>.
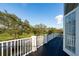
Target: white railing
<point>17,47</point>
<point>24,46</point>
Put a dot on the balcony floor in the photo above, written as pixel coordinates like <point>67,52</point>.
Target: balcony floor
<point>52,48</point>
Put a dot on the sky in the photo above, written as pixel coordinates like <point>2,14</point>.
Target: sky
<point>50,14</point>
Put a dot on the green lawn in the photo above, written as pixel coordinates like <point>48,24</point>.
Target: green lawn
<point>6,36</point>
<point>25,35</point>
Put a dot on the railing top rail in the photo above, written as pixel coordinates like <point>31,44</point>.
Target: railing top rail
<point>16,40</point>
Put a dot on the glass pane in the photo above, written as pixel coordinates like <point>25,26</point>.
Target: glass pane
<point>70,32</point>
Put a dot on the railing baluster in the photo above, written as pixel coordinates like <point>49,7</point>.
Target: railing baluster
<point>14,49</point>
<point>25,46</point>
<point>20,47</point>
<point>17,46</point>
<point>2,48</point>
<point>7,48</point>
<point>11,48</point>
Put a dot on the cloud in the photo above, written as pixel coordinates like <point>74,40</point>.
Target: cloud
<point>59,21</point>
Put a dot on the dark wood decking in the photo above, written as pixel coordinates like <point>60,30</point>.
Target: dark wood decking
<point>52,48</point>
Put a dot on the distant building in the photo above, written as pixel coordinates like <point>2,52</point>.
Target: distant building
<point>71,28</point>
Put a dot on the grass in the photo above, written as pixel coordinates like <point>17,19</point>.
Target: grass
<point>24,35</point>
<point>6,36</point>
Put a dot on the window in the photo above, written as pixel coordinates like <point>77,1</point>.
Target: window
<point>69,7</point>
<point>70,32</point>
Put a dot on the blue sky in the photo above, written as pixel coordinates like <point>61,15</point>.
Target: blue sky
<point>49,14</point>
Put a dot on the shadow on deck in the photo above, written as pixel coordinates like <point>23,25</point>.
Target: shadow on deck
<point>52,48</point>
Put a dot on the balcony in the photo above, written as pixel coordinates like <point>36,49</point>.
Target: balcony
<point>47,45</point>
<point>53,48</point>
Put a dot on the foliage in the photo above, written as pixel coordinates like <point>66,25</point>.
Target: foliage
<point>14,27</point>
<point>40,29</point>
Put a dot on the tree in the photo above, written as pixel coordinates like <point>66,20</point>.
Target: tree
<point>27,28</point>
<point>54,30</point>
<point>39,29</point>
<point>12,22</point>
<point>14,26</point>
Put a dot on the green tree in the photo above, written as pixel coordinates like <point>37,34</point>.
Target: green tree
<point>40,29</point>
<point>27,28</point>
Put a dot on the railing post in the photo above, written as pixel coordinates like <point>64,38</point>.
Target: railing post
<point>2,49</point>
<point>34,48</point>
